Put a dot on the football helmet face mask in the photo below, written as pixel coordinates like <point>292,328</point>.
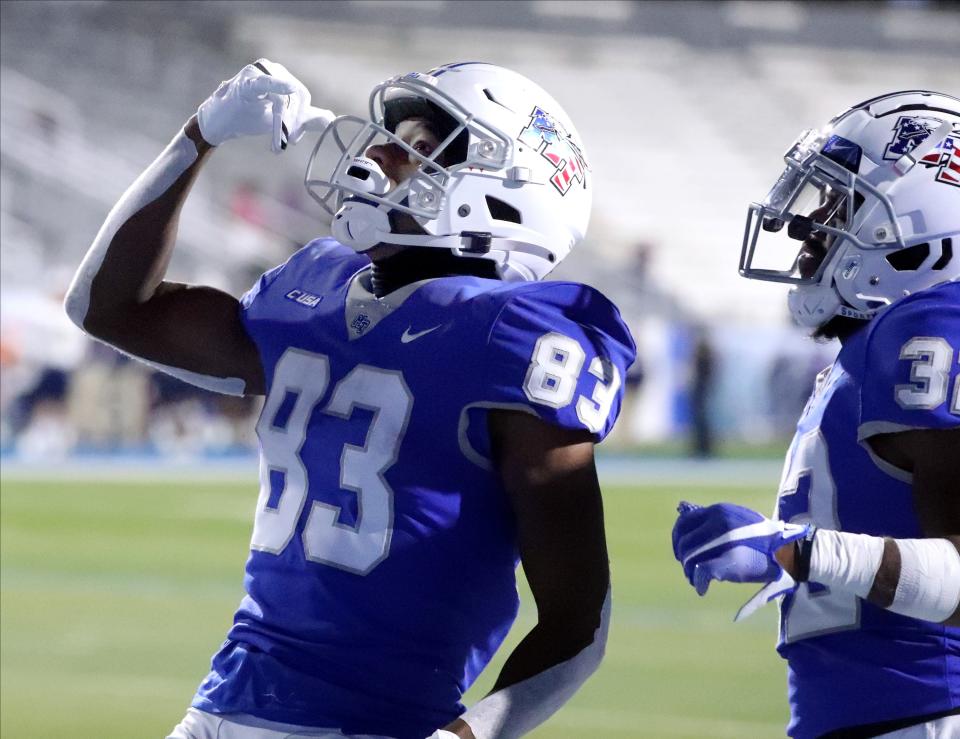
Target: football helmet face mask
<point>508,182</point>
<point>873,200</point>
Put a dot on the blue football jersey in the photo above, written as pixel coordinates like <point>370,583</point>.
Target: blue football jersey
<point>850,662</point>
<point>381,577</point>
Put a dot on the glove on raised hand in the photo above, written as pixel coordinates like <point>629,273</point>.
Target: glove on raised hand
<point>735,544</point>
<point>262,98</point>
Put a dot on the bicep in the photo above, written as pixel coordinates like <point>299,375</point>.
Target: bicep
<point>932,456</point>
<point>550,477</point>
<point>192,328</point>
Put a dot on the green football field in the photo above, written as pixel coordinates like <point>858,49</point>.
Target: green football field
<point>115,594</point>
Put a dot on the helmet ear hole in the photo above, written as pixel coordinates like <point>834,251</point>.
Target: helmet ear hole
<point>501,211</point>
<point>909,259</point>
<point>946,254</point>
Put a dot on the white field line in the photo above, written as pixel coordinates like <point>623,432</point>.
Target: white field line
<point>138,469</point>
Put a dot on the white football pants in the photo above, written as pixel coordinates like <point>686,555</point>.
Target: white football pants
<point>947,727</point>
<point>202,725</point>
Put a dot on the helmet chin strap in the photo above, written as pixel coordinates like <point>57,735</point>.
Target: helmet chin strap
<point>361,225</point>
<point>813,305</point>
<point>449,241</point>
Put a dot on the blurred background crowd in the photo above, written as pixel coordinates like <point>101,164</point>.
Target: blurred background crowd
<point>685,109</point>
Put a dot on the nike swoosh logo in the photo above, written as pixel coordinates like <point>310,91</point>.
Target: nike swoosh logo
<point>407,337</point>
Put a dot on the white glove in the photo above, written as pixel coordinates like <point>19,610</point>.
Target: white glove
<point>262,98</point>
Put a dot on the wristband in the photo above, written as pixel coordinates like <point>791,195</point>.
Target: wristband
<point>845,561</point>
<point>804,550</point>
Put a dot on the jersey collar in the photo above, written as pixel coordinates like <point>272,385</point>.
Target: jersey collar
<point>364,310</point>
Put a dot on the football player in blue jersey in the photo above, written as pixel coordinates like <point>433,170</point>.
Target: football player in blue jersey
<point>431,407</point>
<point>863,547</point>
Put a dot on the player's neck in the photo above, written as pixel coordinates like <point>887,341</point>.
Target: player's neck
<point>423,263</point>
<point>840,328</point>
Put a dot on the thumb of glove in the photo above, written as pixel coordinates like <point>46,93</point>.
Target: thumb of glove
<point>310,119</point>
<point>781,586</point>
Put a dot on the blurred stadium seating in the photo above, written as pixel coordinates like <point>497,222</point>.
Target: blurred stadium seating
<point>684,107</point>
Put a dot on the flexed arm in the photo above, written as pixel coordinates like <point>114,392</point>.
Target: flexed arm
<point>119,295</point>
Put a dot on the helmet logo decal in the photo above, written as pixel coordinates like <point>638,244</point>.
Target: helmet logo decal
<point>946,158</point>
<point>544,135</point>
<point>950,166</point>
<point>908,132</point>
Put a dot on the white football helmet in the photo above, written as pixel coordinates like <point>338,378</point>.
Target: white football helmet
<point>509,181</point>
<point>874,199</point>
